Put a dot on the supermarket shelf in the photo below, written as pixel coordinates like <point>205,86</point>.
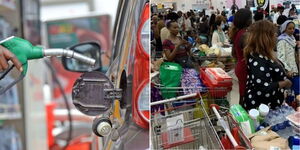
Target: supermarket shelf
<point>7,5</point>
<point>10,112</point>
<point>10,116</point>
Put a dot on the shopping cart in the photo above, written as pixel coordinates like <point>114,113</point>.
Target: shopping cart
<point>193,126</point>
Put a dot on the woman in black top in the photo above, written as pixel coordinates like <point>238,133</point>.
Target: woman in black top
<point>266,78</point>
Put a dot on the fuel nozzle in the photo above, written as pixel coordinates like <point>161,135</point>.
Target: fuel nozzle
<point>25,51</point>
<point>70,54</point>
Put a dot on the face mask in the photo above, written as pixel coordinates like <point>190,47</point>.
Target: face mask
<point>223,26</point>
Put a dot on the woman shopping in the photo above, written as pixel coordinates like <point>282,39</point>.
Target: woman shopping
<point>286,47</point>
<point>175,48</point>
<point>219,37</point>
<point>238,34</point>
<point>266,78</point>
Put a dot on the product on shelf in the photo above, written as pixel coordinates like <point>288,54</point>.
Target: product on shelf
<point>10,139</point>
<point>5,29</point>
<point>9,101</point>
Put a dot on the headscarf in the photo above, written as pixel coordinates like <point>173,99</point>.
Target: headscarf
<point>284,25</point>
<point>289,39</point>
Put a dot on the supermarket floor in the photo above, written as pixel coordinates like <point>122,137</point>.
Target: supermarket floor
<point>234,94</point>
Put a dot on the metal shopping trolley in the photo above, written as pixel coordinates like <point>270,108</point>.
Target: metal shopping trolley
<point>192,125</point>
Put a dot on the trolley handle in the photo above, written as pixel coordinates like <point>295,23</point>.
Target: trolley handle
<point>175,99</point>
<point>215,108</point>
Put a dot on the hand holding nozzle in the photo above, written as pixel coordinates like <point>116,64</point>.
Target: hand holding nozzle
<point>19,51</point>
<point>5,56</point>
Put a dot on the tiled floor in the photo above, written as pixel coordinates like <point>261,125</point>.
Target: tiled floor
<point>234,94</point>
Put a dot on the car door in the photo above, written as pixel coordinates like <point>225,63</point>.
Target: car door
<point>128,117</point>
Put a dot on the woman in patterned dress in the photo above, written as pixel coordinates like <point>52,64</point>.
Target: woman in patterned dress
<point>286,47</point>
<point>266,78</point>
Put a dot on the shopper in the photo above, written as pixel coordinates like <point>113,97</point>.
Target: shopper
<point>230,19</point>
<point>292,14</point>
<point>5,56</point>
<point>280,10</point>
<point>286,47</point>
<point>164,32</point>
<point>175,48</point>
<point>294,8</point>
<point>212,21</point>
<point>191,37</point>
<point>223,14</point>
<point>180,21</point>
<point>188,21</point>
<point>203,27</point>
<point>243,19</point>
<point>219,37</point>
<point>258,16</point>
<point>155,28</point>
<point>266,78</point>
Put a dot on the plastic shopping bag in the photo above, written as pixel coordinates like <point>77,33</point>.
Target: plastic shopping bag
<point>170,75</point>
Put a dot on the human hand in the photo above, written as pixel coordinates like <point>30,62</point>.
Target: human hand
<point>183,42</point>
<point>289,74</point>
<point>181,46</point>
<point>288,83</point>
<point>5,56</point>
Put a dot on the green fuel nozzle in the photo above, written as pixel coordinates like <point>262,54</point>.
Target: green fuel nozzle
<point>25,51</point>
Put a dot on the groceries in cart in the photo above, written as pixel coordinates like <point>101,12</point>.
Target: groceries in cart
<point>268,128</point>
<point>190,78</point>
<point>219,82</point>
<point>213,130</point>
<point>243,118</point>
<point>181,117</point>
<point>216,51</point>
<point>213,57</point>
<point>268,139</point>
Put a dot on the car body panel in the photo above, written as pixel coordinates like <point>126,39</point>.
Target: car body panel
<point>123,61</point>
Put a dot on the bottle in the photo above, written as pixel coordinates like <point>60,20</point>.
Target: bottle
<point>286,111</point>
<point>263,112</point>
<point>281,119</point>
<point>276,119</point>
<point>294,142</point>
<point>269,118</point>
<point>254,114</point>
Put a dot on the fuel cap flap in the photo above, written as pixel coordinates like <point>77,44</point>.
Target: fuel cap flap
<point>91,93</point>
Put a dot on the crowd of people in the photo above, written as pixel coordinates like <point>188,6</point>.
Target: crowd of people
<point>265,47</point>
